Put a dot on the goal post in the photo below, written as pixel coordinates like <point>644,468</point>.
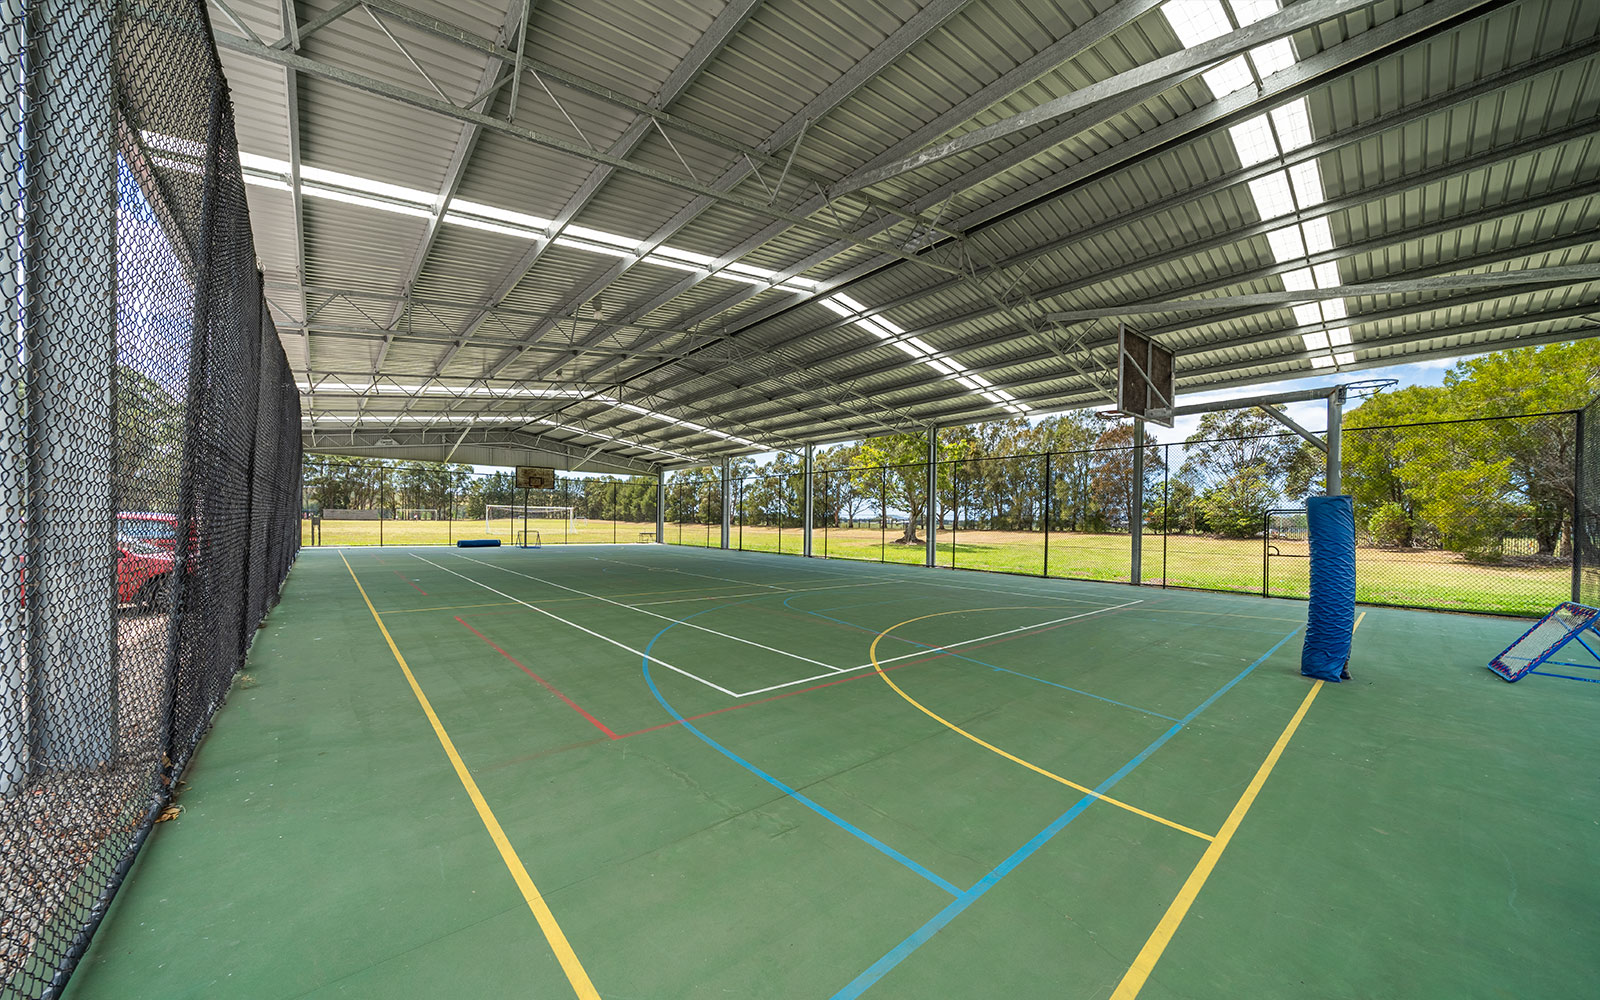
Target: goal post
<point>508,519</point>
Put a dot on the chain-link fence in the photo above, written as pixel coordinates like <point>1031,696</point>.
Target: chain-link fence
<point>1459,515</point>
<point>1586,511</point>
<point>149,450</point>
<point>353,502</point>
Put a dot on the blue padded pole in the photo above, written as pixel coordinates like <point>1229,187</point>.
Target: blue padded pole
<point>1331,616</point>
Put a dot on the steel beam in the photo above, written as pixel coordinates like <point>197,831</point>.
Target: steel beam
<point>1164,71</point>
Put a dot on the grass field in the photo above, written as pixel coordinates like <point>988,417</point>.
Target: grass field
<point>1416,578</point>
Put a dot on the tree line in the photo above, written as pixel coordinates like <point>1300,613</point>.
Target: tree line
<point>1423,465</point>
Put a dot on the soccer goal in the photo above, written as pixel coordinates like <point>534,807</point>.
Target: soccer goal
<point>506,520</point>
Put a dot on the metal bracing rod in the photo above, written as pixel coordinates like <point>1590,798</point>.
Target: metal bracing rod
<point>236,20</point>
<point>293,40</point>
<point>372,85</point>
<point>705,49</point>
<point>407,53</point>
<point>913,30</point>
<point>297,202</point>
<point>1289,422</point>
<point>1249,231</point>
<point>1318,70</point>
<point>1042,63</point>
<point>466,142</point>
<point>1572,274</point>
<point>1021,388</point>
<point>1166,70</point>
<point>477,437</point>
<point>1335,254</point>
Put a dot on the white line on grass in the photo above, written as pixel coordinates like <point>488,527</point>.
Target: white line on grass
<point>620,645</point>
<point>939,649</point>
<point>652,614</point>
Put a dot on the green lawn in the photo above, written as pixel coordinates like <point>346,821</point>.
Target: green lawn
<point>1420,578</point>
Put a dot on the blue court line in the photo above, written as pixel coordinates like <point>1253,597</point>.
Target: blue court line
<point>900,952</point>
<point>991,666</point>
<point>1569,677</point>
<point>1580,666</point>
<point>814,806</point>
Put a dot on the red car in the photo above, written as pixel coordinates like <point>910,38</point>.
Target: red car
<point>144,574</point>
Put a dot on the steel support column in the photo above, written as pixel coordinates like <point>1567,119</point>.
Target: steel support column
<point>805,535</point>
<point>661,506</point>
<point>1335,435</point>
<point>932,556</point>
<point>1136,509</point>
<point>727,508</point>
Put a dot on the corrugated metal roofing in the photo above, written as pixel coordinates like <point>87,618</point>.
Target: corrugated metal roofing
<point>659,228</point>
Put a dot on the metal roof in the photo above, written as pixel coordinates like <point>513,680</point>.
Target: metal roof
<point>630,234</point>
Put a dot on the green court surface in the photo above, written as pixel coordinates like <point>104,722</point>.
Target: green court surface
<point>657,772</point>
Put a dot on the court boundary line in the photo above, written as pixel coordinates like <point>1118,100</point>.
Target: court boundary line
<point>580,628</point>
<point>991,666</point>
<point>917,938</point>
<point>946,647</point>
<point>799,797</point>
<point>930,713</point>
<point>577,976</point>
<point>1155,945</point>
<point>652,614</point>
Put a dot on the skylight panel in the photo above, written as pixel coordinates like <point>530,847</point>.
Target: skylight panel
<point>1286,244</point>
<point>1230,76</point>
<point>1300,280</point>
<point>1314,341</point>
<point>1321,361</point>
<point>1271,194</point>
<point>1307,314</point>
<point>349,198</point>
<point>1293,123</point>
<point>1272,57</point>
<point>1333,310</point>
<point>1327,275</point>
<point>837,307</point>
<point>1307,179</point>
<point>1339,337</point>
<point>1253,140</point>
<point>1251,11</point>
<point>1196,21</point>
<point>1318,236</point>
<point>1344,358</point>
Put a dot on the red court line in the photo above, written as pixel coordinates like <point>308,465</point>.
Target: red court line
<point>547,685</point>
<point>407,579</point>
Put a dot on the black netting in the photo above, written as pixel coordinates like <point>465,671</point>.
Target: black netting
<point>149,450</point>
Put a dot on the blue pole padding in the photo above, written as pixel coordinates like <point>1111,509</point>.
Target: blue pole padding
<point>478,543</point>
<point>1331,617</point>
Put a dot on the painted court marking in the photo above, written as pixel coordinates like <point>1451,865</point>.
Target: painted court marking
<point>580,628</point>
<point>900,952</point>
<point>1108,800</point>
<point>944,648</point>
<point>576,975</point>
<point>652,614</point>
<point>792,793</point>
<point>1145,962</point>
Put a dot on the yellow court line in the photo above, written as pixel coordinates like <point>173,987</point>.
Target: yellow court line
<point>541,912</point>
<point>872,653</point>
<point>1134,979</point>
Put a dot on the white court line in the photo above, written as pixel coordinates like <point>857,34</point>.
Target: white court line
<point>759,593</point>
<point>620,645</point>
<point>652,614</point>
<point>684,572</point>
<point>939,649</point>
